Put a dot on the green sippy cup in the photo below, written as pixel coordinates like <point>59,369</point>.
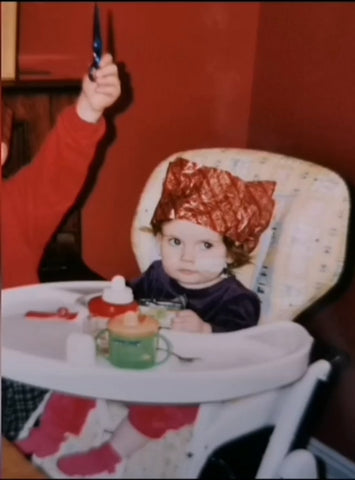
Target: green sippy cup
<point>133,341</point>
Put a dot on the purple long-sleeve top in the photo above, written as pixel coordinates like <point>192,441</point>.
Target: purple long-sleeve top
<point>227,306</point>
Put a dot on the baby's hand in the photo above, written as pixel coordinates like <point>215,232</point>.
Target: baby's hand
<point>189,321</point>
<point>96,96</point>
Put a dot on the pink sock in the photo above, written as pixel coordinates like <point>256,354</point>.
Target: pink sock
<point>41,443</point>
<point>103,459</point>
<point>62,414</point>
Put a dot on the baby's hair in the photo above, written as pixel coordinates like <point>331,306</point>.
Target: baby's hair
<point>238,255</point>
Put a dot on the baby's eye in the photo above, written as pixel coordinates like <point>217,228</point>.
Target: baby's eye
<point>207,245</point>
<point>174,241</point>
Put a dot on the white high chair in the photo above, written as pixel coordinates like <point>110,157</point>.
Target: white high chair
<point>299,258</point>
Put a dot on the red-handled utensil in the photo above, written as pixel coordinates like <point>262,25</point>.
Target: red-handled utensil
<point>61,314</point>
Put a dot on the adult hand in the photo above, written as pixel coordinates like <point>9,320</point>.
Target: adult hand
<point>4,151</point>
<point>189,321</point>
<point>96,96</point>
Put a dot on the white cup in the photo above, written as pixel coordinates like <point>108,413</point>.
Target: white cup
<point>80,349</point>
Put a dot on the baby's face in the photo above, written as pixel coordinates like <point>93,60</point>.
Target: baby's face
<point>193,255</point>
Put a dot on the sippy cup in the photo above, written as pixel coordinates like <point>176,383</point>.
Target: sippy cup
<point>133,341</point>
<point>116,299</point>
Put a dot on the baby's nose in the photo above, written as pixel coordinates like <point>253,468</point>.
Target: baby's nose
<point>188,254</point>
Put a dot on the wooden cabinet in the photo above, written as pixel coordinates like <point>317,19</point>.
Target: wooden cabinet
<point>15,464</point>
<point>55,40</point>
<point>8,40</point>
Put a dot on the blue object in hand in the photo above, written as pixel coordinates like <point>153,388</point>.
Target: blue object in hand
<point>97,44</point>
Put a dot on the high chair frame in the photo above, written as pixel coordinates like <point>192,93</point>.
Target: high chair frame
<point>310,222</point>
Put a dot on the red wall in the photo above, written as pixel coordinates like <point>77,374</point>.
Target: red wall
<point>191,67</point>
<point>303,104</point>
<point>303,98</point>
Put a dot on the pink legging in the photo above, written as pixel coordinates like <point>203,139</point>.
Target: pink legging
<point>154,421</point>
<point>66,414</point>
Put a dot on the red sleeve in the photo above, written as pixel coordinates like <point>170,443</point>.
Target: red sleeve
<point>42,192</point>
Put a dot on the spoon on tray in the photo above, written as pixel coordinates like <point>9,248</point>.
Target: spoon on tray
<point>181,357</point>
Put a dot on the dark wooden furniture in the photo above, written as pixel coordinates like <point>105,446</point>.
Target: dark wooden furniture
<point>16,465</point>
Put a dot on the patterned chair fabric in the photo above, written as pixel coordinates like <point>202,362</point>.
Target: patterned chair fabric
<point>301,255</point>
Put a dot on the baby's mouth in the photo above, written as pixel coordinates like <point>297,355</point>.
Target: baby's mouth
<point>186,271</point>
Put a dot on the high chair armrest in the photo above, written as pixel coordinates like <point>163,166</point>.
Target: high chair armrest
<point>338,358</point>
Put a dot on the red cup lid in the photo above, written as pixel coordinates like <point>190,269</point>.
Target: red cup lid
<point>99,307</point>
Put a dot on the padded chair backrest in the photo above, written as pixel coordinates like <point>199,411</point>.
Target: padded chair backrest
<point>301,255</point>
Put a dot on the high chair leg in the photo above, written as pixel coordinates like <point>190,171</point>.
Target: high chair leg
<point>288,420</point>
<point>299,464</point>
<point>221,422</point>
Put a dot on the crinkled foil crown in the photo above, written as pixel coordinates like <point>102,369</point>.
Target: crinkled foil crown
<point>218,200</point>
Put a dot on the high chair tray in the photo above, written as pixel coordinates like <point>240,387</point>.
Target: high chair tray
<point>229,365</point>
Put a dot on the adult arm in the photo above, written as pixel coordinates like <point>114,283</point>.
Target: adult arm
<point>35,200</point>
<point>41,193</point>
